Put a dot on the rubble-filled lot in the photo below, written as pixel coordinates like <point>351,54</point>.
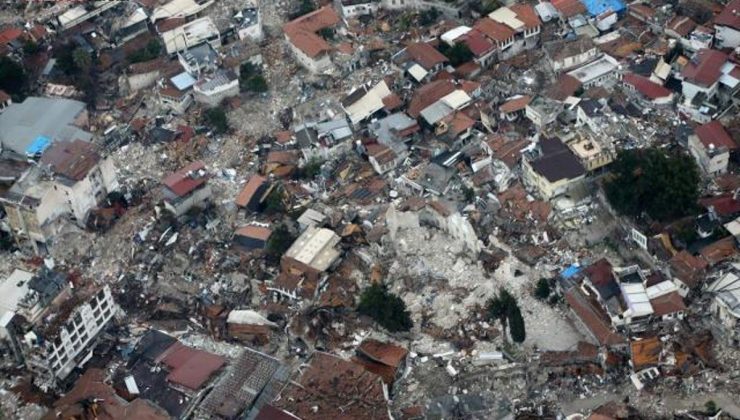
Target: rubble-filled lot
<point>441,286</point>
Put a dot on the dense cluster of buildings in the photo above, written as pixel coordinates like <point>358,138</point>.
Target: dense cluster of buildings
<point>179,244</point>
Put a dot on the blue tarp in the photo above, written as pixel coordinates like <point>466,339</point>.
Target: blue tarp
<point>571,271</point>
<point>38,146</point>
<point>598,7</point>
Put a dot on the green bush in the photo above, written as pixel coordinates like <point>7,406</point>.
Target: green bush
<point>150,52</point>
<point>542,291</point>
<point>385,308</point>
<point>216,119</point>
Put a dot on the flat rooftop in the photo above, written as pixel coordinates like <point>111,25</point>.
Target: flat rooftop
<point>315,248</point>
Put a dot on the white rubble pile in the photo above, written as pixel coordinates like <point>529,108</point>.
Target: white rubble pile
<point>452,286</point>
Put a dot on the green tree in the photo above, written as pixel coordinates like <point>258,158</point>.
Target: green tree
<point>311,168</point>
<point>13,79</point>
<point>429,16</point>
<point>485,7</point>
<point>663,185</point>
<point>516,324</point>
<point>468,194</point>
<point>503,307</point>
<point>30,47</point>
<point>385,308</point>
<point>279,242</point>
<point>274,201</point>
<point>251,79</point>
<point>152,50</point>
<point>327,33</point>
<point>458,54</point>
<point>542,291</point>
<point>306,6</point>
<point>711,407</point>
<point>82,59</point>
<point>216,119</point>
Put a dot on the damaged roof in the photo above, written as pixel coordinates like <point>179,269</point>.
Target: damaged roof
<point>187,179</point>
<point>557,161</point>
<point>592,318</point>
<point>190,367</point>
<point>71,159</point>
<point>331,387</point>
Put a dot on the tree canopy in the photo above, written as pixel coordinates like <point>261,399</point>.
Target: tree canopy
<point>12,77</point>
<point>150,52</point>
<point>251,78</point>
<point>503,307</point>
<point>216,119</point>
<point>663,185</point>
<point>279,242</point>
<point>385,308</point>
<point>458,54</point>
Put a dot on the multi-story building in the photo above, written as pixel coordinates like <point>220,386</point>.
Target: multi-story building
<point>191,34</point>
<point>711,146</point>
<point>552,169</point>
<point>725,306</point>
<point>306,42</point>
<point>51,329</point>
<point>186,188</point>
<point>71,179</point>
<point>727,26</point>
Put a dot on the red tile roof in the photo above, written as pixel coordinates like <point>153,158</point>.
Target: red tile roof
<point>569,8</point>
<point>429,94</point>
<point>704,67</point>
<point>459,123</point>
<point>730,15</point>
<point>92,386</point>
<point>190,367</point>
<point>723,205</point>
<point>514,105</point>
<point>645,352</point>
<point>392,102</point>
<point>269,412</point>
<point>187,179</point>
<point>713,133</point>
<point>38,32</point>
<point>256,232</point>
<point>688,268</point>
<point>565,86</point>
<point>331,387</point>
<point>646,87</point>
<point>505,150</point>
<point>526,13</point>
<point>642,10</point>
<point>478,44</point>
<point>71,159</point>
<point>590,316</point>
<point>385,353</point>
<point>302,31</point>
<point>681,25</point>
<point>719,251</point>
<point>667,304</point>
<point>8,35</point>
<point>494,30</point>
<point>246,194</point>
<point>425,55</point>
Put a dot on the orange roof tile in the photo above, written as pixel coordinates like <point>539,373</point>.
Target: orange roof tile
<point>516,104</point>
<point>251,187</point>
<point>302,31</point>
